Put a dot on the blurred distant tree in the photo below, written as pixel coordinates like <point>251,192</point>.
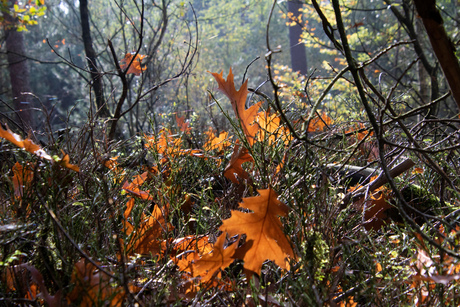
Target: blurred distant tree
<point>96,77</point>
<point>297,47</point>
<point>19,72</point>
<point>15,18</point>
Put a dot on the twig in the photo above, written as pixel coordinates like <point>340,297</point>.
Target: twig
<point>377,183</point>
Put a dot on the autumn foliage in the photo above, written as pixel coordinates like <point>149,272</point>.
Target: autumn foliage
<point>223,217</point>
<point>132,64</point>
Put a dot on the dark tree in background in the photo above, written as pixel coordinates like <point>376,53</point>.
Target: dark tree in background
<point>19,72</point>
<point>103,110</point>
<point>297,48</point>
<point>441,43</point>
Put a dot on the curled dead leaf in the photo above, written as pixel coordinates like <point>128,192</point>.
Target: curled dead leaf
<point>136,67</point>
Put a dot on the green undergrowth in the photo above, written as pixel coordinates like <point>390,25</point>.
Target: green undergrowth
<point>62,216</point>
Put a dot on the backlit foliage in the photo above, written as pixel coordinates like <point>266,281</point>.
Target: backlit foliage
<point>26,13</point>
<point>291,206</point>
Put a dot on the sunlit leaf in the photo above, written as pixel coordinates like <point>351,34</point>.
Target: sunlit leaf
<point>271,128</point>
<point>265,239</point>
<point>27,144</point>
<point>64,162</point>
<point>238,98</point>
<point>320,122</point>
<point>22,177</point>
<point>136,67</point>
<point>221,257</point>
<point>218,143</point>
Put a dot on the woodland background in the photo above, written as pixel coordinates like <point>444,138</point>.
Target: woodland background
<point>244,153</point>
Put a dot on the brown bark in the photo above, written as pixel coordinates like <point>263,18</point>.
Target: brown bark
<point>297,48</point>
<point>96,77</point>
<point>442,45</point>
<point>19,72</point>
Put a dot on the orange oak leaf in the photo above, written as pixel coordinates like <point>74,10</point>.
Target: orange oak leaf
<point>147,237</point>
<point>169,145</point>
<point>348,302</point>
<point>134,187</point>
<point>359,131</point>
<point>111,163</point>
<point>64,162</point>
<point>208,265</point>
<point>33,148</point>
<point>218,143</point>
<point>27,144</point>
<point>135,67</point>
<point>245,116</point>
<point>164,143</point>
<point>280,166</point>
<point>375,209</point>
<point>183,253</point>
<point>17,278</point>
<point>265,239</point>
<point>183,126</point>
<point>92,286</point>
<point>319,122</point>
<point>22,177</point>
<point>271,128</point>
<point>234,171</point>
<point>186,249</point>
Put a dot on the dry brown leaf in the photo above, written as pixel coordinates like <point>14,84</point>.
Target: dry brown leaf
<point>27,144</point>
<point>238,101</point>
<point>271,128</point>
<point>92,286</point>
<point>234,170</point>
<point>183,126</point>
<point>265,239</point>
<point>218,143</point>
<point>208,265</point>
<point>135,67</point>
<point>22,177</point>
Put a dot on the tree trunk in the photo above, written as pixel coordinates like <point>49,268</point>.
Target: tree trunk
<point>410,28</point>
<point>442,45</point>
<point>96,77</point>
<point>297,48</point>
<point>19,73</point>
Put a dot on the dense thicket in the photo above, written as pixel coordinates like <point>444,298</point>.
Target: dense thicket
<point>167,153</point>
